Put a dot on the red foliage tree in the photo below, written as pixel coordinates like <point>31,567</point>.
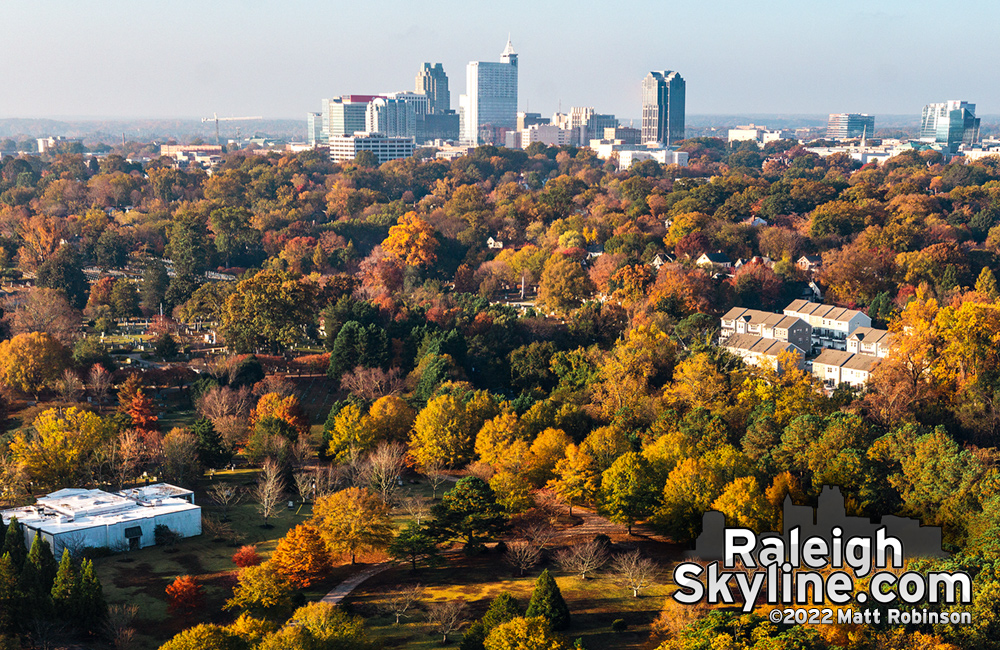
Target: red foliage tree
<point>246,556</point>
<point>185,594</point>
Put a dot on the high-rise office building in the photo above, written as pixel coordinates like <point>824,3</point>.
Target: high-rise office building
<point>847,126</point>
<point>663,107</point>
<point>346,115</point>
<point>433,82</point>
<point>314,128</point>
<point>952,123</point>
<point>489,106</point>
<point>391,117</point>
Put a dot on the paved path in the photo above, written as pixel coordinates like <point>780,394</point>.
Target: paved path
<point>343,590</point>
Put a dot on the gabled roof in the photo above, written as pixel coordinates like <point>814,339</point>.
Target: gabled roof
<point>759,345</point>
<point>716,258</point>
<point>818,310</point>
<point>871,335</point>
<point>763,317</point>
<point>849,360</point>
<point>812,259</point>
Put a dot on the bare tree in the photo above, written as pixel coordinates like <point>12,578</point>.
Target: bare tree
<point>13,481</point>
<point>634,571</point>
<point>222,530</point>
<point>70,386</point>
<point>435,474</point>
<point>582,559</point>
<point>119,626</point>
<point>382,468</point>
<point>522,556</point>
<point>45,310</point>
<point>232,429</point>
<point>75,543</point>
<point>330,480</point>
<point>540,534</point>
<point>225,495</point>
<point>99,383</point>
<point>305,484</point>
<point>279,384</point>
<point>223,401</point>
<point>398,602</point>
<point>417,507</point>
<point>447,617</point>
<point>270,490</point>
<point>372,383</point>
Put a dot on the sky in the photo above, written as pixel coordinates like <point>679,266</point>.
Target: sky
<point>278,58</point>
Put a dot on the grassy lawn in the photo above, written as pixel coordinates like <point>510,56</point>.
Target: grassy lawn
<point>593,603</point>
<point>142,576</point>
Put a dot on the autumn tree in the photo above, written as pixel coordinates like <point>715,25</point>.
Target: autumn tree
<point>186,595</point>
<point>520,633</point>
<point>262,590</point>
<point>31,362</point>
<point>627,490</point>
<point>57,452</point>
<point>443,432</point>
<point>267,311</point>
<point>411,241</point>
<point>576,477</point>
<point>564,284</point>
<point>353,520</point>
<point>302,556</point>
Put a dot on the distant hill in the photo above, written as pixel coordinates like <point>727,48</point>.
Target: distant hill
<point>145,130</point>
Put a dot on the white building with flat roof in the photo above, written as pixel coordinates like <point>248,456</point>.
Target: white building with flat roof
<point>76,518</point>
<point>385,148</point>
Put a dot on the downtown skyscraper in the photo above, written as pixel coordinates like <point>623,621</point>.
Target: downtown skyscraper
<point>489,106</point>
<point>663,107</point>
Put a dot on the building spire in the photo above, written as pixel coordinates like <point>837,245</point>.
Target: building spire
<point>509,49</point>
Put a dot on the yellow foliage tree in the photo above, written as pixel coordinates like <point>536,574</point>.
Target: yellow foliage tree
<point>58,452</point>
<point>30,362</point>
<point>744,505</point>
<point>545,452</point>
<point>351,435</point>
<point>500,442</point>
<point>576,477</point>
<point>524,634</point>
<point>391,418</point>
<point>442,433</point>
<point>411,241</point>
<point>353,520</point>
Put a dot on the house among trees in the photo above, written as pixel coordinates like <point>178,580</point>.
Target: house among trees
<point>494,244</point>
<point>871,341</point>
<point>809,263</point>
<point>77,518</point>
<point>714,260</point>
<point>835,367</point>
<point>763,352</point>
<point>830,325</point>
<point>789,329</point>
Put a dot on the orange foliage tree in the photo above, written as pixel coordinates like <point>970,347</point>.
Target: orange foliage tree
<point>302,556</point>
<point>411,241</point>
<point>185,594</point>
<point>273,405</point>
<point>246,556</point>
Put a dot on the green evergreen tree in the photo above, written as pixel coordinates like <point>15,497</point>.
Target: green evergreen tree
<point>91,608</point>
<point>8,595</point>
<point>36,580</point>
<point>413,544</point>
<point>346,352</point>
<point>374,348</point>
<point>211,451</point>
<point>63,272</point>
<point>64,588</point>
<point>13,544</point>
<point>469,511</point>
<point>547,602</point>
<point>503,608</point>
<point>154,285</point>
<point>949,279</point>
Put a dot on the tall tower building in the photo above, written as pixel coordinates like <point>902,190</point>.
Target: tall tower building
<point>845,126</point>
<point>489,105</point>
<point>663,107</point>
<point>953,123</point>
<point>433,82</point>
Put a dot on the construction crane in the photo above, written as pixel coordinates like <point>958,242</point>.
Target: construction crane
<point>215,118</point>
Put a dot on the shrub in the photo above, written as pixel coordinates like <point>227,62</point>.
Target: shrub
<point>619,625</point>
<point>164,536</point>
<point>246,556</point>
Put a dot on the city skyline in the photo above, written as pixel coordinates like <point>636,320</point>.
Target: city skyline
<point>186,60</point>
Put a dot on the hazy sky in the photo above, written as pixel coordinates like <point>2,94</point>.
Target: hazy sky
<point>180,58</point>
